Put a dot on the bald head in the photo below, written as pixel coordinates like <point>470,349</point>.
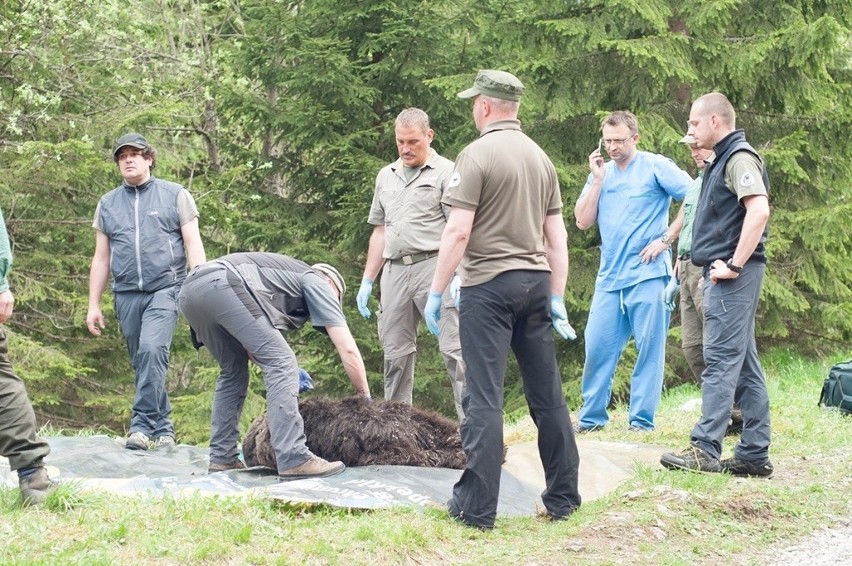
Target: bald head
<point>711,118</point>
<point>718,104</point>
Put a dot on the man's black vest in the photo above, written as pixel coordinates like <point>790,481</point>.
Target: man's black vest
<point>719,217</point>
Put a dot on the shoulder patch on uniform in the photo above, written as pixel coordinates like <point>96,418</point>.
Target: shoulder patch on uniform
<point>747,179</point>
<point>455,180</point>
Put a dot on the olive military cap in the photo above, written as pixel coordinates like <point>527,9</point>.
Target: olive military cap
<point>496,84</point>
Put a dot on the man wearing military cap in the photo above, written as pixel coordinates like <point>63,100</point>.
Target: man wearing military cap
<point>146,232</point>
<point>508,239</point>
<point>686,275</point>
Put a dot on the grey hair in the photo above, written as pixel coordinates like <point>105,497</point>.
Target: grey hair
<point>413,117</point>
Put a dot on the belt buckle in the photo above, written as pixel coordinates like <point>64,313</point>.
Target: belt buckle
<point>407,259</point>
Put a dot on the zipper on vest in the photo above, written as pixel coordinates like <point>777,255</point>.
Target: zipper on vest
<point>136,239</point>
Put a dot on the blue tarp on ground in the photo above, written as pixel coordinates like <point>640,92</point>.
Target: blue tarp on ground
<point>102,463</point>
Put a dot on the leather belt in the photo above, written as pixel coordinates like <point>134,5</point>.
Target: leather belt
<point>413,258</point>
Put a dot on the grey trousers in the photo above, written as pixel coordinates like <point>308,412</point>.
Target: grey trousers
<point>733,373</point>
<point>405,289</point>
<point>18,440</point>
<point>148,322</point>
<point>229,322</point>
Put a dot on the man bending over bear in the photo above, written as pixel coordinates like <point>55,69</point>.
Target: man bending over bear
<point>237,306</point>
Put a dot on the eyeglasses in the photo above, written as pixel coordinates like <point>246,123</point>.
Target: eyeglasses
<point>616,143</point>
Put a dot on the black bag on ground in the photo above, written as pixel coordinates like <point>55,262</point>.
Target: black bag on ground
<point>837,388</point>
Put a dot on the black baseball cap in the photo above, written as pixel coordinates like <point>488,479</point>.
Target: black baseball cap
<point>133,140</point>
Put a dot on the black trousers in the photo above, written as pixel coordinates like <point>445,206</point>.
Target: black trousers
<point>511,311</point>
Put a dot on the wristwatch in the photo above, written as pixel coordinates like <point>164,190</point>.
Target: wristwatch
<point>735,268</point>
<point>666,239</point>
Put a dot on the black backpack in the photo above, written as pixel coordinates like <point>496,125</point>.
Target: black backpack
<point>837,388</point>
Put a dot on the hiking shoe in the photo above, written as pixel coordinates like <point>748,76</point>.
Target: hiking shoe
<point>137,441</point>
<point>580,429</point>
<point>637,428</point>
<point>164,441</point>
<point>213,467</point>
<point>36,487</point>
<point>748,468</point>
<point>315,467</point>
<point>693,458</point>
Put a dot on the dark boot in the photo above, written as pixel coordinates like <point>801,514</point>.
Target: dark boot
<point>36,487</point>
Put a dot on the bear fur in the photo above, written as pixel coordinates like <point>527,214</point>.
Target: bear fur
<point>362,433</point>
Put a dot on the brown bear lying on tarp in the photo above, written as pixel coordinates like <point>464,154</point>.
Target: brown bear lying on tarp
<point>362,433</point>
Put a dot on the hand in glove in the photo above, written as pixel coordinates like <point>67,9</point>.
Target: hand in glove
<point>670,293</point>
<point>305,381</point>
<point>432,313</point>
<point>363,297</point>
<point>559,316</point>
<point>455,290</point>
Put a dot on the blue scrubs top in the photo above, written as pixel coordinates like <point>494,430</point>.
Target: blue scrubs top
<point>633,210</point>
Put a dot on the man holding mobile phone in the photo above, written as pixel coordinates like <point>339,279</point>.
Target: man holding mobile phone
<point>629,199</point>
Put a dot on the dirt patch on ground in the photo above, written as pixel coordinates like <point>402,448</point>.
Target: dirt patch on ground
<point>658,523</point>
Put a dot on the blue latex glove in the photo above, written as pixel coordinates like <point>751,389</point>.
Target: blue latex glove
<point>432,313</point>
<point>670,293</point>
<point>455,290</point>
<point>364,292</point>
<point>305,382</point>
<point>560,318</point>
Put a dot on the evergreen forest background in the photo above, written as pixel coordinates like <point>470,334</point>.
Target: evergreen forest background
<point>277,116</point>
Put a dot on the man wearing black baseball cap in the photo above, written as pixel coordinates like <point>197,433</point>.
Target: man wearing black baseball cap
<point>146,232</point>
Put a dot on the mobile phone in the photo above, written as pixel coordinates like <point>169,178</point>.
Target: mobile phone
<point>600,145</point>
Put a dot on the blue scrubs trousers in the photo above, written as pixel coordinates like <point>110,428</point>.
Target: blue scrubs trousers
<point>614,317</point>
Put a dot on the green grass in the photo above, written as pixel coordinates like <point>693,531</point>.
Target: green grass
<point>656,517</point>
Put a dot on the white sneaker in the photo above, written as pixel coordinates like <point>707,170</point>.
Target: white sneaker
<point>137,441</point>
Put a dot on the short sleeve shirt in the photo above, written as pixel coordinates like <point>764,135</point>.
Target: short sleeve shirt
<point>743,175</point>
<point>290,287</point>
<point>512,185</point>
<point>411,211</point>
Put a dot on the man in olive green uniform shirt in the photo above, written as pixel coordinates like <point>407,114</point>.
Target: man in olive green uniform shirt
<point>507,231</point>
